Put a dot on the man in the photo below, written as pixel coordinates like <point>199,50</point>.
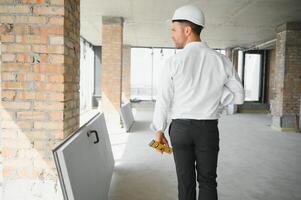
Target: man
<point>194,84</point>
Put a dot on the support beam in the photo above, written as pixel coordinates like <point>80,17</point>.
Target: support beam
<point>286,106</point>
<point>233,56</point>
<point>126,74</point>
<point>111,81</point>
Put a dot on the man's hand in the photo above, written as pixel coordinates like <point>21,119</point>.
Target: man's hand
<point>160,137</point>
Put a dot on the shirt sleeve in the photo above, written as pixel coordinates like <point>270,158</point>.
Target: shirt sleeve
<point>164,98</point>
<point>233,91</point>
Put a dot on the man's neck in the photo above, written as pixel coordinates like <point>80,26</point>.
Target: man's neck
<point>193,39</point>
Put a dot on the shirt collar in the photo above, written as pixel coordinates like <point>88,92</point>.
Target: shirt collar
<point>200,44</point>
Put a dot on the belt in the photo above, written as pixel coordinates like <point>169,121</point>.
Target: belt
<point>195,120</point>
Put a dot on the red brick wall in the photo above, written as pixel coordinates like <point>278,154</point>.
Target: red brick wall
<point>288,60</point>
<point>112,43</point>
<point>40,83</point>
<point>286,104</point>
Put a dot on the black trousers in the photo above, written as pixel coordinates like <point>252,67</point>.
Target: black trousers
<point>195,148</point>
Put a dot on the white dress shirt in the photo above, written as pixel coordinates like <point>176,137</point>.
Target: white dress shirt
<point>194,83</point>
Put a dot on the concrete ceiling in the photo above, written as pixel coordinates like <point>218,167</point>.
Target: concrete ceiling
<point>229,23</point>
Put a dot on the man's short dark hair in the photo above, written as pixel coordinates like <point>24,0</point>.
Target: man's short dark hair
<point>196,29</point>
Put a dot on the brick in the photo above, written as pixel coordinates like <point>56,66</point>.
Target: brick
<point>7,38</point>
<point>41,96</point>
<point>56,21</point>
<point>21,29</point>
<point>21,77</point>
<point>4,29</point>
<point>58,134</point>
<point>15,85</point>
<point>56,115</point>
<point>8,57</point>
<point>8,76</point>
<point>16,48</point>
<point>38,135</point>
<point>8,67</point>
<point>57,59</point>
<point>56,78</point>
<point>16,9</point>
<point>57,2</point>
<point>8,95</point>
<point>56,40</point>
<point>48,10</point>
<point>6,2</point>
<point>17,76</point>
<point>17,124</point>
<point>49,68</point>
<point>29,95</point>
<point>39,77</point>
<point>48,125</point>
<point>25,95</point>
<point>48,106</point>
<point>52,49</point>
<point>31,20</point>
<point>16,105</point>
<point>31,115</point>
<point>7,19</point>
<point>33,1</point>
<point>44,58</point>
<point>32,39</point>
<point>52,87</point>
<point>56,96</point>
<point>24,58</point>
<point>48,30</point>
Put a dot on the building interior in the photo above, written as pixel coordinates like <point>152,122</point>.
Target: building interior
<point>64,61</point>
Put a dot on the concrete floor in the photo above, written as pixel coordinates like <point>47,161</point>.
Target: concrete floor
<point>255,162</point>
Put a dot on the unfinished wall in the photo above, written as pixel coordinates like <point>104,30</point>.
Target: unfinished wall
<point>40,97</point>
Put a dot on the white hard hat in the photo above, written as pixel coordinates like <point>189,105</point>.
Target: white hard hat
<point>190,13</point>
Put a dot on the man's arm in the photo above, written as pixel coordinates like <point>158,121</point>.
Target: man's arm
<point>164,99</point>
<point>233,92</point>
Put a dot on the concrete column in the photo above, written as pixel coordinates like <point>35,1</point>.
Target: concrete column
<point>235,59</point>
<point>233,56</point>
<point>97,77</point>
<point>40,92</point>
<point>126,74</point>
<point>286,106</point>
<point>229,53</point>
<point>111,81</point>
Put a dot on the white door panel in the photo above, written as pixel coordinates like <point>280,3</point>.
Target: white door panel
<point>85,162</point>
